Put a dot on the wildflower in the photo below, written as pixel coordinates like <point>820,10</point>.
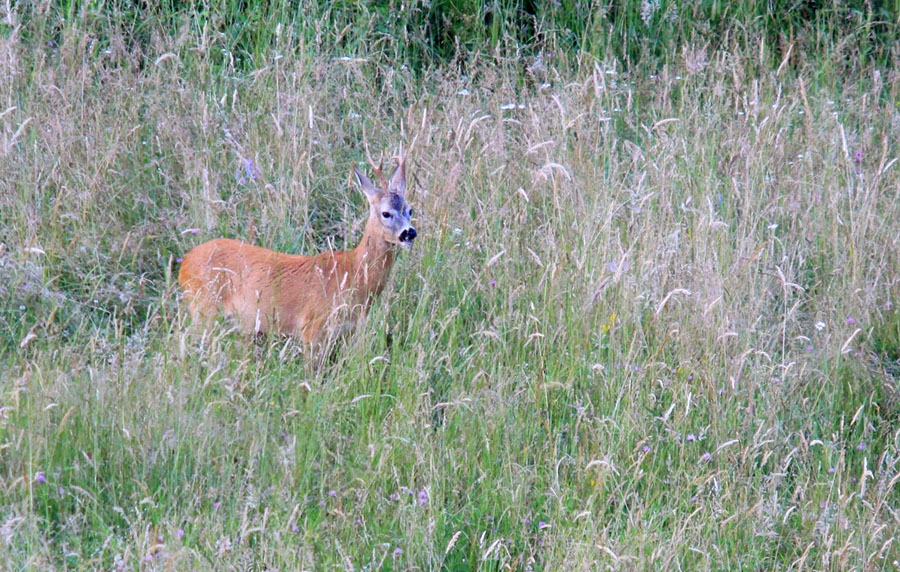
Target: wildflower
<point>850,320</point>
<point>861,446</point>
<point>423,497</point>
<point>250,169</point>
<point>691,437</point>
<point>216,505</point>
<point>179,260</point>
<point>295,528</point>
<point>858,157</point>
<point>542,524</point>
<point>645,448</point>
<point>810,348</point>
<point>180,533</point>
<point>820,325</point>
<point>332,493</point>
<point>493,283</point>
<point>706,457</point>
<point>40,477</point>
<point>398,551</point>
<point>830,470</point>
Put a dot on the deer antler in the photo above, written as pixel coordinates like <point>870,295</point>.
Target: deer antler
<point>381,180</point>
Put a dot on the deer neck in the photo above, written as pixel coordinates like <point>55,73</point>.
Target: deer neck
<point>373,258</point>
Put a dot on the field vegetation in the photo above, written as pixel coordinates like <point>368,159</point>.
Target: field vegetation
<point>650,321</point>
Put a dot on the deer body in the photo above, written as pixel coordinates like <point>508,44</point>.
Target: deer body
<point>313,297</point>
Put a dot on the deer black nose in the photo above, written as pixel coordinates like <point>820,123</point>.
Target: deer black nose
<point>408,235</point>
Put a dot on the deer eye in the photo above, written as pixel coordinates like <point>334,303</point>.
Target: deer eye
<point>386,214</point>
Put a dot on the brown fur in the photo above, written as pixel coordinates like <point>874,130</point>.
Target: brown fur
<point>316,297</point>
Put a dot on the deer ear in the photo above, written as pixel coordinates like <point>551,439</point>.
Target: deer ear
<point>398,181</point>
<point>365,184</point>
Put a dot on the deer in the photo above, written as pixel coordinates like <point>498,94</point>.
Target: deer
<point>314,298</point>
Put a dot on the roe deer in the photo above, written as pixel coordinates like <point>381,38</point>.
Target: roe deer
<point>316,297</point>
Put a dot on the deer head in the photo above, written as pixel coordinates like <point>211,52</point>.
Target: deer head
<point>388,210</point>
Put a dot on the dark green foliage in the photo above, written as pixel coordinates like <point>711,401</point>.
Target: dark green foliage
<point>424,34</point>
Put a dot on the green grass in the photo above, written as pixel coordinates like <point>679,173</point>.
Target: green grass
<point>650,321</point>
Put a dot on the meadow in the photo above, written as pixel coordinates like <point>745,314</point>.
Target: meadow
<point>650,321</point>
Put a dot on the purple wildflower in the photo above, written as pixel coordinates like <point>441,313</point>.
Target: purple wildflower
<point>542,524</point>
<point>332,493</point>
<point>179,260</point>
<point>851,320</point>
<point>216,505</point>
<point>423,497</point>
<point>250,169</point>
<point>493,283</point>
<point>645,448</point>
<point>858,157</point>
<point>295,528</point>
<point>706,457</point>
<point>180,533</point>
<point>40,477</point>
<point>691,437</point>
<point>831,470</point>
<point>398,551</point>
<point>861,446</point>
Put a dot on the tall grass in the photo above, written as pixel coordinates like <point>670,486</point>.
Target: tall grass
<point>650,321</point>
